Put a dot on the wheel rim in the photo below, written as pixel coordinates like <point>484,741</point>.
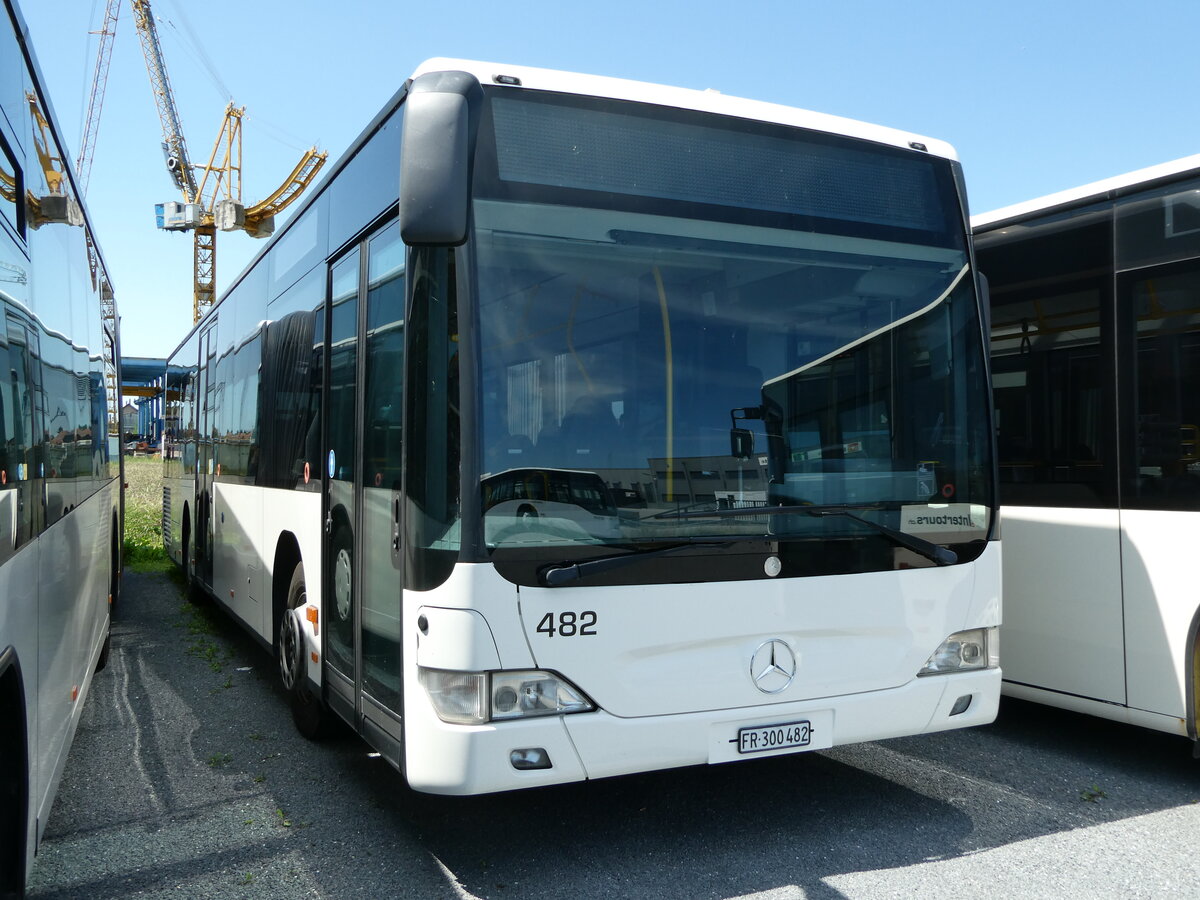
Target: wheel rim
<point>289,649</point>
<point>341,583</point>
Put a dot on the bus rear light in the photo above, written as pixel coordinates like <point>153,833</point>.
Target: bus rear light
<point>965,651</point>
<point>473,698</point>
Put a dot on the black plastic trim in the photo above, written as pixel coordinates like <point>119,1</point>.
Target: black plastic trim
<point>1190,676</point>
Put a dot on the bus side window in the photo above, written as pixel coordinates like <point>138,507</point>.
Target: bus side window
<point>20,454</point>
<point>8,446</point>
<point>12,186</point>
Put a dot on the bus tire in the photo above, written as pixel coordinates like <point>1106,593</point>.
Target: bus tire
<point>102,660</point>
<point>114,572</point>
<point>185,553</point>
<point>191,589</point>
<point>14,779</point>
<point>309,713</point>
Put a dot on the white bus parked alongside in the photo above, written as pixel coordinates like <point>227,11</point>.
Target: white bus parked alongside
<point>578,427</point>
<point>60,460</point>
<point>1095,297</point>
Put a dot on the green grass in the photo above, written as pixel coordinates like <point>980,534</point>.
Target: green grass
<point>220,760</point>
<point>143,515</point>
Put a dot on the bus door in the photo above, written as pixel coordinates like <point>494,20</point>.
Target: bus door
<point>206,402</point>
<point>363,403</point>
<point>340,507</point>
<point>380,545</point>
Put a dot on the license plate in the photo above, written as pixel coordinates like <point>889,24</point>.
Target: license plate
<point>774,737</point>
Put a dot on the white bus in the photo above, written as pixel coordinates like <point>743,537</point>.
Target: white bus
<point>740,343</point>
<point>60,497</point>
<point>1095,298</point>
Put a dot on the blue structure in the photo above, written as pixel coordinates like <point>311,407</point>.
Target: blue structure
<point>142,385</point>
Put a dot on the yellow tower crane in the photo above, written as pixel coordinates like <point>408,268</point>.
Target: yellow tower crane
<point>213,201</point>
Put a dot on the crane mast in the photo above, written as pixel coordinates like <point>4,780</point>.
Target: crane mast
<point>91,123</point>
<point>179,164</point>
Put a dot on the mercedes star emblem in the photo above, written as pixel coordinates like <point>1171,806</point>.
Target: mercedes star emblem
<point>773,666</point>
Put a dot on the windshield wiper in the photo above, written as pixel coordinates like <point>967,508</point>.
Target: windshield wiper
<point>931,551</point>
<point>556,575</point>
<point>942,556</point>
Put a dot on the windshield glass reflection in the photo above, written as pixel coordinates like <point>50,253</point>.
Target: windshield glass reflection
<point>633,380</point>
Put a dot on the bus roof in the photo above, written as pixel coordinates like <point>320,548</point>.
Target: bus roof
<point>712,101</point>
<point>1088,193</point>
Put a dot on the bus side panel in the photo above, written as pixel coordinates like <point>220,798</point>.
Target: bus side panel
<point>1062,620</point>
<point>297,513</point>
<point>1162,591</point>
<point>179,493</point>
<point>248,523</point>
<point>19,627</point>
<point>239,559</point>
<point>1098,708</point>
<point>75,562</point>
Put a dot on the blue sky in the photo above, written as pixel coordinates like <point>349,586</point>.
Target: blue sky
<point>1036,95</point>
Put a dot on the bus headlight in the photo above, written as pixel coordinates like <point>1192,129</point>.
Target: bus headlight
<point>965,651</point>
<point>473,698</point>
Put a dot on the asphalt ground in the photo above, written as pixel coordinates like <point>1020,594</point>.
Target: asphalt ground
<point>187,779</point>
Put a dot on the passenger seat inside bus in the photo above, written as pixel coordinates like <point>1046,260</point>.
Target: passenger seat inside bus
<point>585,435</point>
<point>512,451</point>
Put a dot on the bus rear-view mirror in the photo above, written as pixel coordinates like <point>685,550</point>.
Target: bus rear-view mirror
<point>435,158</point>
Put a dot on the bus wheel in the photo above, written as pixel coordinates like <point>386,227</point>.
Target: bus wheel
<point>192,589</point>
<point>102,661</point>
<point>310,714</point>
<point>114,571</point>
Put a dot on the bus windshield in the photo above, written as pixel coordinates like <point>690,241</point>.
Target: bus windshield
<point>788,320</point>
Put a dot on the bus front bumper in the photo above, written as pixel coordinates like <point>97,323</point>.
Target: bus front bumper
<point>441,758</point>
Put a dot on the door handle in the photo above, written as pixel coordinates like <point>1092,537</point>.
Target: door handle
<point>396,534</point>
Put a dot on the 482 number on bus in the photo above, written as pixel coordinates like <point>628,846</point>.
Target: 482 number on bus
<point>568,624</point>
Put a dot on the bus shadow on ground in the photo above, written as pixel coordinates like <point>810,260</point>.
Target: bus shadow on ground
<point>717,831</point>
<point>794,821</point>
